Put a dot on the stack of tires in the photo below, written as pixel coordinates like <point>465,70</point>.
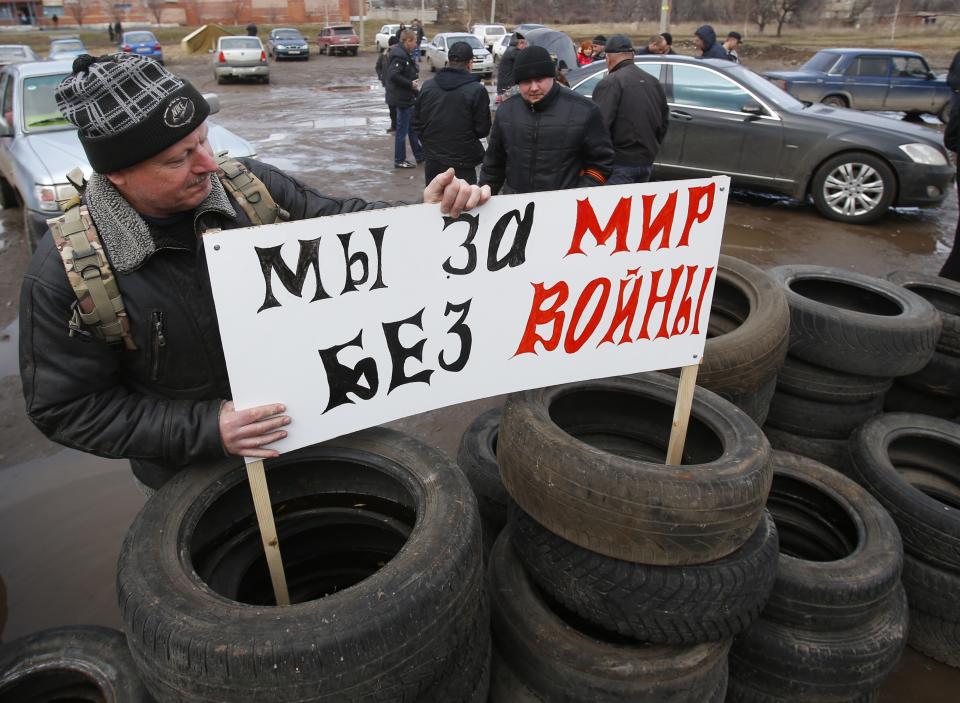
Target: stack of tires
<point>910,463</point>
<point>380,538</point>
<point>619,578</point>
<point>747,337</point>
<point>934,389</point>
<point>836,621</point>
<point>477,458</point>
<point>850,335</point>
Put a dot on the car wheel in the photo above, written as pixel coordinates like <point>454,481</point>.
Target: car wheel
<point>853,187</point>
<point>356,51</point>
<point>31,230</point>
<point>835,101</point>
<point>433,69</point>
<point>8,196</point>
<point>944,113</point>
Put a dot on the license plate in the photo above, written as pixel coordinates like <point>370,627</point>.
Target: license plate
<point>143,50</point>
<point>244,70</point>
<point>344,40</point>
<point>294,51</point>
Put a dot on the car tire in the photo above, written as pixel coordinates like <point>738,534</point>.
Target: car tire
<point>944,295</point>
<point>433,69</point>
<point>354,52</point>
<point>8,195</point>
<point>802,379</point>
<point>901,398</point>
<point>477,458</point>
<point>830,452</point>
<point>31,230</point>
<point>854,169</point>
<point>835,101</point>
<point>815,418</point>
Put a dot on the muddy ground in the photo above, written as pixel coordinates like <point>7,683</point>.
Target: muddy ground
<point>63,514</point>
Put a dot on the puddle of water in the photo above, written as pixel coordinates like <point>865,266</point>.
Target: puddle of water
<point>9,355</point>
<point>345,88</point>
<point>331,122</point>
<point>274,137</point>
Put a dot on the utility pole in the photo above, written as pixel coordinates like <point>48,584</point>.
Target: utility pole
<point>664,15</point>
<point>893,26</point>
<point>493,9</point>
<point>363,20</point>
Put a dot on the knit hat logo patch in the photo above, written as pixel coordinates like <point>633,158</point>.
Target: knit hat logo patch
<point>179,112</point>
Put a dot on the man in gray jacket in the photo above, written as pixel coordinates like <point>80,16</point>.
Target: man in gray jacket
<point>160,397</point>
<point>635,111</point>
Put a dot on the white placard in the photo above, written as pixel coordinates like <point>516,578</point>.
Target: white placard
<point>358,319</point>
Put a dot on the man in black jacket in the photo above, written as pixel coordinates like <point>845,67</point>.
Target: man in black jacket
<point>548,137</point>
<point>163,400</point>
<point>452,115</point>
<point>505,79</point>
<point>953,80</point>
<point>951,140</point>
<point>403,83</point>
<point>635,112</point>
<point>706,40</point>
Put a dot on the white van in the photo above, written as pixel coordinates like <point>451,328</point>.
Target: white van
<point>488,34</point>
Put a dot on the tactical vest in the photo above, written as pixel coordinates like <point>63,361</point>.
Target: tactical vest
<point>99,306</point>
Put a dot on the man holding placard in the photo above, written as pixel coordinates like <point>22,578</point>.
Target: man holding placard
<point>119,347</point>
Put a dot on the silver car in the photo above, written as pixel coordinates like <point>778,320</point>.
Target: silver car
<point>38,147</point>
<point>16,53</point>
<point>65,49</point>
<point>436,52</point>
<point>240,57</point>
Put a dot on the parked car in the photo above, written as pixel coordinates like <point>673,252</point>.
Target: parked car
<point>528,26</point>
<point>383,36</point>
<point>868,79</point>
<point>38,147</point>
<point>725,119</point>
<point>500,48</point>
<point>142,43</point>
<point>436,52</point>
<point>287,43</point>
<point>240,57</point>
<point>488,34</point>
<point>338,39</point>
<point>65,49</point>
<point>16,53</point>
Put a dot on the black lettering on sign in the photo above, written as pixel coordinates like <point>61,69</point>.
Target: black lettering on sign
<point>399,353</point>
<point>473,222</point>
<point>361,257</point>
<point>460,329</point>
<point>518,251</point>
<point>271,260</point>
<point>342,379</point>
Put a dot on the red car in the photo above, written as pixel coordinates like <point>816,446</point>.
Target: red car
<point>338,38</point>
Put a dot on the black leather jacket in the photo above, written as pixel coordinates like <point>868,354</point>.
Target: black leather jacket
<point>159,405</point>
<point>451,116</point>
<point>559,142</point>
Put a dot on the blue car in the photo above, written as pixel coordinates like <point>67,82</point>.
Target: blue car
<point>142,43</point>
<point>868,79</point>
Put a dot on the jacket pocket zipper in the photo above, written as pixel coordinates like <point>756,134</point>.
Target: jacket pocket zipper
<point>158,343</point>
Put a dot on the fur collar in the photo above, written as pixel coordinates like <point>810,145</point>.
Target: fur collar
<point>125,235</point>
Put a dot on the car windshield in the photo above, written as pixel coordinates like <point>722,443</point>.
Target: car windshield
<point>495,30</point>
<point>140,38</point>
<point>288,34</point>
<point>40,111</point>
<point>75,45</point>
<point>239,43</point>
<point>767,90</point>
<point>821,62</point>
<point>343,30</point>
<point>12,52</point>
<point>471,40</point>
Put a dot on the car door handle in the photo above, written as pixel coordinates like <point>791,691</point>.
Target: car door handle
<point>685,116</point>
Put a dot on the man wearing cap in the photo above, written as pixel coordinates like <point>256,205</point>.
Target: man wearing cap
<point>732,46</point>
<point>452,115</point>
<point>635,111</point>
<point>549,139</point>
<point>505,79</point>
<point>599,48</point>
<point>161,397</point>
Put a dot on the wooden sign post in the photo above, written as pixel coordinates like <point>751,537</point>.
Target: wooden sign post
<point>268,530</point>
<point>681,414</point>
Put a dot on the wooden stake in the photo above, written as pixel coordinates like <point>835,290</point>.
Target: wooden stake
<point>681,414</point>
<point>268,530</point>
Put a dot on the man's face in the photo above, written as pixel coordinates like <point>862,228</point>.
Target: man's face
<point>731,44</point>
<point>521,44</point>
<point>534,90</point>
<point>409,44</point>
<point>175,180</point>
<point>598,48</point>
<point>657,47</point>
<point>698,42</point>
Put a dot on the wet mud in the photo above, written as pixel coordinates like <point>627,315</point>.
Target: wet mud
<point>63,514</point>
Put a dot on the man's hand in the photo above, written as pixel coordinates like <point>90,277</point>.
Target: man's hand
<point>245,432</point>
<point>454,194</point>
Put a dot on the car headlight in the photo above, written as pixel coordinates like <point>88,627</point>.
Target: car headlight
<point>924,154</point>
<point>281,46</point>
<point>49,197</point>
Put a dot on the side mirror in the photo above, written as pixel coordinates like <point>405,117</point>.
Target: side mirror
<point>752,108</point>
<point>931,76</point>
<point>213,100</point>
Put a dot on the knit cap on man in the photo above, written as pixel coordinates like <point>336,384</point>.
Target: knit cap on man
<point>127,108</point>
<point>460,52</point>
<point>533,62</point>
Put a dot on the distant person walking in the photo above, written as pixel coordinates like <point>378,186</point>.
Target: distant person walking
<point>110,32</point>
<point>56,21</point>
<point>634,108</point>
<point>951,140</point>
<point>417,26</point>
<point>505,79</point>
<point>251,30</point>
<point>732,46</point>
<point>402,85</point>
<point>381,68</point>
<point>451,116</point>
<point>117,30</point>
<point>706,40</point>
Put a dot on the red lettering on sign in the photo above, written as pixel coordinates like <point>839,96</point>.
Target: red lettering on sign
<point>694,213</point>
<point>662,223</point>
<point>540,315</point>
<point>707,275</point>
<point>619,222</point>
<point>626,310</point>
<point>572,343</point>
<point>656,298</point>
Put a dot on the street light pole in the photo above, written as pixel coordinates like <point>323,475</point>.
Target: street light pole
<point>664,16</point>
<point>493,9</point>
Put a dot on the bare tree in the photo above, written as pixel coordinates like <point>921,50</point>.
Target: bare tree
<point>239,8</point>
<point>77,9</point>
<point>156,8</point>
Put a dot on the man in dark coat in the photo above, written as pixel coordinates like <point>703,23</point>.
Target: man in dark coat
<point>635,111</point>
<point>706,40</point>
<point>505,79</point>
<point>599,48</point>
<point>953,80</point>
<point>402,85</point>
<point>667,37</point>
<point>162,401</point>
<point>732,46</point>
<point>655,45</point>
<point>951,140</point>
<point>451,116</point>
<point>548,138</point>
<point>381,69</point>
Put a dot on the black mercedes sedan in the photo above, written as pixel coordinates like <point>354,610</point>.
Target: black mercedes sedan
<point>726,119</point>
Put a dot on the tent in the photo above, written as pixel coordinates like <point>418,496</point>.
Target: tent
<point>557,43</point>
<point>204,38</point>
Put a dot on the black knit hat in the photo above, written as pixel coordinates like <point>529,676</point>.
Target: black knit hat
<point>533,62</point>
<point>600,40</point>
<point>460,52</point>
<point>127,108</point>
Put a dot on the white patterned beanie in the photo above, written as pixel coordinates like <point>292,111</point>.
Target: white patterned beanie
<point>127,108</point>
